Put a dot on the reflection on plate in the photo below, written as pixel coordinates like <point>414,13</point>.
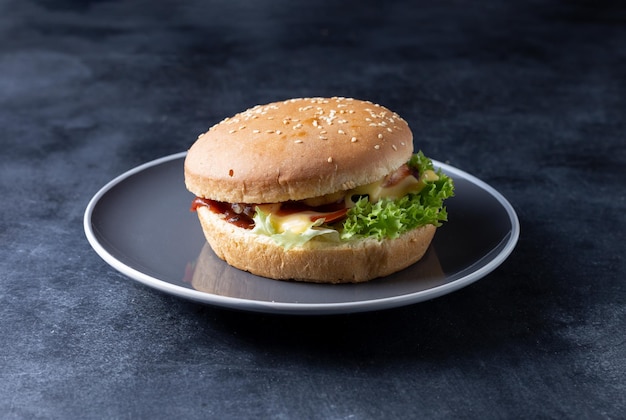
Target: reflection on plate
<point>141,225</point>
<point>209,274</point>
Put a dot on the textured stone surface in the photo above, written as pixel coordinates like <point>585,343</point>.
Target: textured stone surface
<point>528,96</point>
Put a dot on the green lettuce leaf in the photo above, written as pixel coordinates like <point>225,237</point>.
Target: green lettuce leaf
<point>387,218</point>
<point>390,218</point>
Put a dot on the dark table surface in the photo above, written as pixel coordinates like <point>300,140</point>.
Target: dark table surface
<point>529,96</point>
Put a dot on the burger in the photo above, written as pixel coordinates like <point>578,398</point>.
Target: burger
<point>325,190</point>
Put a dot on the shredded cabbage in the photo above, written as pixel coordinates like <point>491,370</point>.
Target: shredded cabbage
<point>263,225</point>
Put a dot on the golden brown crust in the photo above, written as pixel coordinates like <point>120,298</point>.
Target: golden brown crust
<point>297,149</point>
<point>317,261</point>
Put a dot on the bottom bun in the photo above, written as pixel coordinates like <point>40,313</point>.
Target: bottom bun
<point>316,261</point>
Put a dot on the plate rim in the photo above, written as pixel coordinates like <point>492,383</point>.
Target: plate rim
<point>301,308</point>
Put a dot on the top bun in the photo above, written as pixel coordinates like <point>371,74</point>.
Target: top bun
<point>297,149</point>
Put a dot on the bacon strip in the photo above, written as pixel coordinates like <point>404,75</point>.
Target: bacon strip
<point>238,218</point>
<point>398,175</point>
<point>331,217</point>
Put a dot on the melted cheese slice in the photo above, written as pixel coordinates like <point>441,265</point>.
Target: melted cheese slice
<point>407,185</point>
<point>297,222</point>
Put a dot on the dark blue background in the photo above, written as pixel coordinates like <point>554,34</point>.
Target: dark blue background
<point>530,96</point>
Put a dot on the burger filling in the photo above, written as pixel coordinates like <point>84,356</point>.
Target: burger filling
<point>408,198</point>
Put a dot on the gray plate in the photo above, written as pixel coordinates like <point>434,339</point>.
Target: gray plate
<point>140,224</point>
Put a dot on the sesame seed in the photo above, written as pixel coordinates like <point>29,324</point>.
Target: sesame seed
<point>353,140</point>
<point>323,138</point>
<point>269,131</point>
<point>231,131</point>
<point>389,129</point>
<point>297,126</point>
<point>393,146</point>
<point>242,127</point>
<point>256,131</point>
<point>330,160</point>
<point>380,136</point>
<point>298,141</point>
<point>341,132</point>
<point>278,132</point>
<point>377,146</point>
<point>315,123</point>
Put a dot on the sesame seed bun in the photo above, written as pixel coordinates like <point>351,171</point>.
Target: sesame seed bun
<point>316,261</point>
<point>297,149</point>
